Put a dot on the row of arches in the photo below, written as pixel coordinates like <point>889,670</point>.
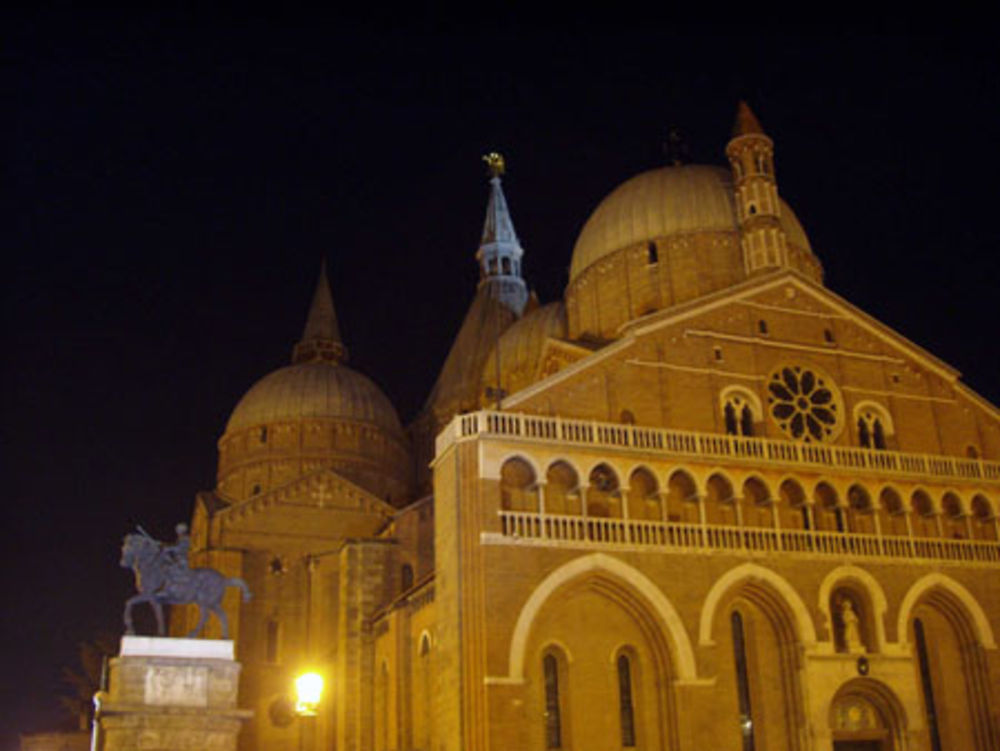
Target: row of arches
<point>758,632</point>
<point>858,508</point>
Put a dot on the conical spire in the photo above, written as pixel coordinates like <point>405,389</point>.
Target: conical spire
<point>321,337</point>
<point>498,227</point>
<point>746,121</point>
<point>500,252</point>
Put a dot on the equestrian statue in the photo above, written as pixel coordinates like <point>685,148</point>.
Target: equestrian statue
<point>163,577</point>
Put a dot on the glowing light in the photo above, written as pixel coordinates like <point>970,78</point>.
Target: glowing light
<point>308,691</point>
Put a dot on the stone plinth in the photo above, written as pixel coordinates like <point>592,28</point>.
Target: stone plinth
<point>171,694</point>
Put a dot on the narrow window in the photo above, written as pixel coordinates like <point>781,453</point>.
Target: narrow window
<point>263,434</point>
<point>878,435</point>
<point>506,265</point>
<point>864,438</point>
<point>652,255</point>
<point>625,702</point>
<point>828,336</point>
<point>746,421</point>
<point>553,729</point>
<point>406,577</point>
<point>753,209</point>
<point>742,681</point>
<point>256,490</point>
<point>971,452</point>
<point>718,353</point>
<point>730,414</point>
<point>762,326</point>
<point>925,681</point>
<point>271,652</point>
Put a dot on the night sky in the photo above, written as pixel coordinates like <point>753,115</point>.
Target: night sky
<point>174,181</point>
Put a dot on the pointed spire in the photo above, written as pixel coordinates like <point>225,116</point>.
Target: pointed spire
<point>321,337</point>
<point>498,227</point>
<point>500,252</point>
<point>746,121</point>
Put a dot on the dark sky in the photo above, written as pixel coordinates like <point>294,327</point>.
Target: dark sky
<point>174,181</point>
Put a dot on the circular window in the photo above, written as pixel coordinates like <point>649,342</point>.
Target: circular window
<point>804,403</point>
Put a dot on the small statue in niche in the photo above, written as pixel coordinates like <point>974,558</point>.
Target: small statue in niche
<point>850,628</point>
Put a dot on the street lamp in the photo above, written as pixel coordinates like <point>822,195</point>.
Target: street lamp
<point>308,691</point>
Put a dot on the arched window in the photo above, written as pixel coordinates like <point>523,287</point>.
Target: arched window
<point>925,684</point>
<point>874,426</point>
<point>720,505</point>
<point>740,411</point>
<point>505,265</point>
<point>953,517</point>
<point>829,513</point>
<point>517,480</point>
<point>793,505</point>
<point>983,524</point>
<point>682,498</point>
<point>742,680</point>
<point>625,708</point>
<point>553,720</point>
<point>562,489</point>
<point>644,496</point>
<point>603,497</point>
<point>652,255</point>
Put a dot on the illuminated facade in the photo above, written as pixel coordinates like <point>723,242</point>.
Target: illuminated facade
<point>718,506</point>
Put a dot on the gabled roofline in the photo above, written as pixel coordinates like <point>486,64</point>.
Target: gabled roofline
<point>631,330</point>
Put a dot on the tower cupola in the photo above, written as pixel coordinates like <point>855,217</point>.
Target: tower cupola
<point>758,210</point>
<point>500,252</point>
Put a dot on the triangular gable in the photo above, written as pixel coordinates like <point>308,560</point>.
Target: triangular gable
<point>832,304</point>
<point>558,354</point>
<point>323,489</point>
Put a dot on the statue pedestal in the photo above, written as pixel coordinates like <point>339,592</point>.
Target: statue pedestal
<point>171,694</point>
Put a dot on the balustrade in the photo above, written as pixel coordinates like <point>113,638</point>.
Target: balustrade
<point>526,525</point>
<point>713,446</point>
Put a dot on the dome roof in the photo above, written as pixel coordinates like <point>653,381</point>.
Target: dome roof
<point>314,390</point>
<point>666,201</point>
<point>521,347</point>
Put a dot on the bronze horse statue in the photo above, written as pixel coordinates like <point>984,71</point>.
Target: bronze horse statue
<point>161,579</point>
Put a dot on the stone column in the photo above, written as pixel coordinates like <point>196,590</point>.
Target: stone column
<point>171,695</point>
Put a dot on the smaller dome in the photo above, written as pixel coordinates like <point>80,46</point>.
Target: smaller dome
<point>314,390</point>
<point>521,347</point>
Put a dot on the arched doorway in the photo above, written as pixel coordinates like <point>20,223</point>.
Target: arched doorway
<point>866,716</point>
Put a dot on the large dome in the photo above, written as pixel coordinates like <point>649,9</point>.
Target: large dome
<point>314,390</point>
<point>663,202</point>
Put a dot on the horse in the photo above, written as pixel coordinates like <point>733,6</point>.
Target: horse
<point>161,581</point>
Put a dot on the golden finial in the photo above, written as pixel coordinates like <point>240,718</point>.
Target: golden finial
<point>495,163</point>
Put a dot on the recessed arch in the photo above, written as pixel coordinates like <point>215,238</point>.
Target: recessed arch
<point>519,456</point>
<point>751,571</point>
<point>881,698</point>
<point>980,623</point>
<point>869,583</point>
<point>682,652</point>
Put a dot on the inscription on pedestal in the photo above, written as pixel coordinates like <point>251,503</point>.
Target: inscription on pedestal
<point>177,685</point>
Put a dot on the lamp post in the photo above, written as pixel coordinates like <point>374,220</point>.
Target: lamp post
<point>308,692</point>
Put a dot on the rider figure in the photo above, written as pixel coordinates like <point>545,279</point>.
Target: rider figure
<point>177,554</point>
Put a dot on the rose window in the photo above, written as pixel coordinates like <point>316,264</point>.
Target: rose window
<point>805,404</point>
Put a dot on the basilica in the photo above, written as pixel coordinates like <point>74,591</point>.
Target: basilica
<point>701,501</point>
